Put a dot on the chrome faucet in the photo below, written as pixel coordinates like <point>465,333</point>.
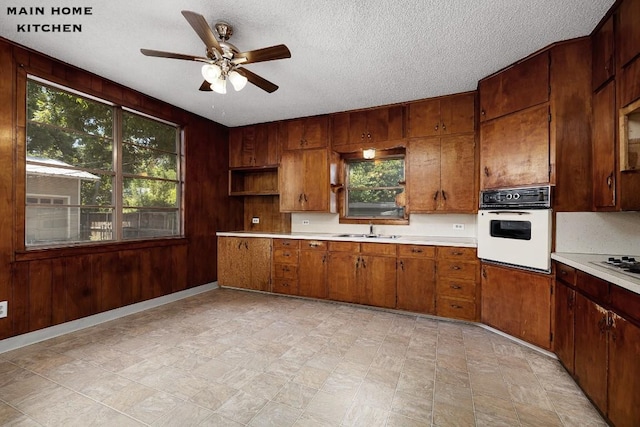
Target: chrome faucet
<point>370,228</point>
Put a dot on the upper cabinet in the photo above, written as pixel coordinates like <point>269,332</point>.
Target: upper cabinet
<point>628,31</point>
<point>253,146</point>
<point>603,66</point>
<point>442,116</point>
<point>604,148</point>
<point>534,129</point>
<point>367,128</point>
<point>521,86</point>
<point>305,133</point>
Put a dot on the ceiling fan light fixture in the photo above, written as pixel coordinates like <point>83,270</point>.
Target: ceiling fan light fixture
<point>211,72</point>
<point>237,80</point>
<point>219,86</point>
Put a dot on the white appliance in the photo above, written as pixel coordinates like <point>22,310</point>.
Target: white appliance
<point>514,227</point>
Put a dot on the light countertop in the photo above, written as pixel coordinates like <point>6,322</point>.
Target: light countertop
<point>589,263</point>
<point>406,240</point>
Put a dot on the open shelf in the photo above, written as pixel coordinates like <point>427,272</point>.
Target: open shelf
<point>253,182</point>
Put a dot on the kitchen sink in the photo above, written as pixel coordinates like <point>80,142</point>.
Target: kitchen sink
<point>370,236</point>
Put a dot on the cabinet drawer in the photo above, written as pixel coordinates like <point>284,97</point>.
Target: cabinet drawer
<point>456,308</point>
<point>285,256</point>
<point>336,246</point>
<point>454,269</point>
<point>596,288</point>
<point>452,252</point>
<point>285,271</point>
<point>378,249</point>
<point>314,245</point>
<point>284,286</point>
<point>566,274</point>
<point>626,303</point>
<point>416,251</point>
<point>286,243</point>
<point>456,288</point>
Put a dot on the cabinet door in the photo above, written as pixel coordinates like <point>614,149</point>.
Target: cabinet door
<point>291,180</point>
<point>340,130</point>
<point>266,150</point>
<point>628,31</point>
<point>424,118</point>
<point>384,124</point>
<point>519,87</point>
<point>309,132</point>
<point>563,336</point>
<point>604,141</point>
<point>312,274</point>
<point>242,146</point>
<point>603,65</point>
<point>457,114</point>
<point>457,173</point>
<point>315,176</point>
<point>423,174</point>
<point>377,281</point>
<point>358,131</point>
<point>232,268</point>
<point>257,259</point>
<point>514,150</point>
<point>591,349</point>
<point>416,280</point>
<point>624,373</point>
<point>342,279</point>
<point>518,303</point>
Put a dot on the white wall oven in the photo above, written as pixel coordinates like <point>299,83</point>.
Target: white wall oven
<point>514,227</point>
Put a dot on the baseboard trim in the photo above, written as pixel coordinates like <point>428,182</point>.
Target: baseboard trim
<point>75,325</point>
<point>519,341</point>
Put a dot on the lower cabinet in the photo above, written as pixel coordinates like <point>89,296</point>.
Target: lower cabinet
<point>416,279</point>
<point>244,262</point>
<point>285,266</point>
<point>312,269</point>
<point>518,303</point>
<point>362,273</point>
<point>457,289</point>
<point>598,327</point>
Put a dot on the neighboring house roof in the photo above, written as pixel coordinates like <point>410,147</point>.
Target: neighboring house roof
<point>47,167</point>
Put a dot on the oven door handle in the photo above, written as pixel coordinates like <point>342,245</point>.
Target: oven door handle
<point>509,212</point>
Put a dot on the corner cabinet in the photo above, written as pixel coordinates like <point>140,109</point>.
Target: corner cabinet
<point>244,262</point>
<point>305,178</point>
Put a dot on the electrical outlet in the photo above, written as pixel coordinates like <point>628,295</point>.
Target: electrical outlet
<point>255,220</point>
<point>4,306</point>
<point>306,222</point>
<point>458,226</point>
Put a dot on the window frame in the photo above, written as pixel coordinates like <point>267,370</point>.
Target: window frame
<point>117,203</point>
<point>347,158</point>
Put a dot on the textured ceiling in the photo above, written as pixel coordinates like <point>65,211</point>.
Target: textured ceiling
<point>345,54</point>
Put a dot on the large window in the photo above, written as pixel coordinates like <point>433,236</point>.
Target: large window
<point>375,188</point>
<point>97,172</point>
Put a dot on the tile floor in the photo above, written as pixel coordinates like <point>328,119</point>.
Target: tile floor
<point>233,358</point>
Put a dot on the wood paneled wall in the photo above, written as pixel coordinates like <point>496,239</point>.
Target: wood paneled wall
<point>49,287</point>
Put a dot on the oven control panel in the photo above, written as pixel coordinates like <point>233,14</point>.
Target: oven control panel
<point>538,197</point>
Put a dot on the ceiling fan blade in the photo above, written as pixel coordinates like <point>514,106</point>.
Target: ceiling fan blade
<point>263,84</point>
<point>162,54</point>
<point>260,55</point>
<point>205,86</point>
<point>200,26</point>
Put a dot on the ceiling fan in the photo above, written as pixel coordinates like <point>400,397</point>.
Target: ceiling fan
<point>223,60</point>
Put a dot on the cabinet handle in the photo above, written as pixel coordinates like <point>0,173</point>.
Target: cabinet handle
<point>610,180</point>
<point>358,263</point>
<point>246,245</point>
<point>444,195</point>
<point>563,273</point>
<point>484,273</point>
<point>305,197</point>
<point>314,244</point>
<point>444,127</point>
<point>456,287</point>
<point>402,265</point>
<point>571,300</point>
<point>435,196</point>
<point>285,268</point>
<point>364,264</point>
<point>362,136</point>
<point>435,128</point>
<point>300,198</point>
<point>486,171</point>
<point>416,251</point>
<point>369,135</point>
<point>324,258</point>
<point>482,112</point>
<point>455,267</point>
<point>285,243</point>
<point>286,254</point>
<point>456,306</point>
<point>456,253</point>
<point>286,285</point>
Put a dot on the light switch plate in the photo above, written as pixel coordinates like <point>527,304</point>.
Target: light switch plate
<point>4,305</point>
<point>458,226</point>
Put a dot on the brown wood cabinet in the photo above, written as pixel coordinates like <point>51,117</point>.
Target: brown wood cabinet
<point>285,266</point>
<point>254,146</point>
<point>457,287</point>
<point>606,339</point>
<point>366,128</point>
<point>363,273</point>
<point>628,31</point>
<point>312,269</point>
<point>305,133</point>
<point>604,148</point>
<point>518,303</point>
<point>441,174</point>
<point>416,278</point>
<point>244,262</point>
<point>305,178</point>
<point>514,150</point>
<point>603,65</point>
<point>520,86</point>
<point>442,116</point>
<point>564,320</point>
